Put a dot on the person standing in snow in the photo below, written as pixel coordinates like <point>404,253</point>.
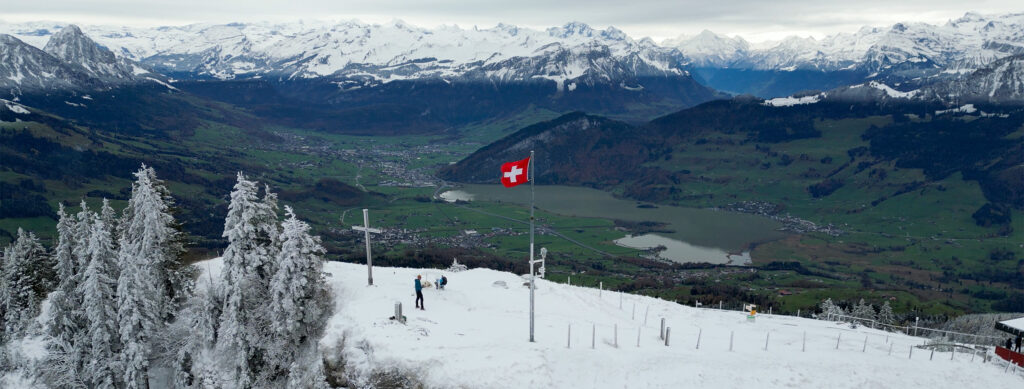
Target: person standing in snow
<point>1009,344</point>
<point>419,294</point>
<point>1018,342</point>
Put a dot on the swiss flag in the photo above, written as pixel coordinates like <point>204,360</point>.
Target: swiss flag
<point>515,173</point>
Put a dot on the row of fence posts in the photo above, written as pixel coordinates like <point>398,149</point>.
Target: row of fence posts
<point>798,314</point>
<point>665,334</point>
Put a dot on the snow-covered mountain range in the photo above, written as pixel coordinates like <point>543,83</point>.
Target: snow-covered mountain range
<point>958,46</point>
<point>395,51</point>
<point>68,60</point>
<point>356,55</point>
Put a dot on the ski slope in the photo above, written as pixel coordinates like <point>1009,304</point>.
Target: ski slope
<point>475,335</point>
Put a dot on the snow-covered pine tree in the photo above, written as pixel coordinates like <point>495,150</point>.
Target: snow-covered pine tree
<point>300,298</point>
<point>244,333</point>
<point>23,285</point>
<point>885,314</point>
<point>102,369</point>
<point>109,218</point>
<point>307,371</point>
<point>149,245</point>
<point>80,231</point>
<point>864,311</point>
<point>830,310</point>
<point>196,327</point>
<point>67,327</point>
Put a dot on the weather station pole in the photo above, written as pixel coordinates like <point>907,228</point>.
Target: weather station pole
<point>530,177</point>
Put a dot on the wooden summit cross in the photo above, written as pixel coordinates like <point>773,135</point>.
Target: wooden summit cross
<point>367,230</point>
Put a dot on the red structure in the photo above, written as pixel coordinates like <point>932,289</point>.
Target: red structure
<point>1014,357</point>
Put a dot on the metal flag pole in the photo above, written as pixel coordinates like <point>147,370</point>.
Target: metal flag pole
<point>529,176</point>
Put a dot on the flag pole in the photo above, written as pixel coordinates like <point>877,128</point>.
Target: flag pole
<point>530,176</point>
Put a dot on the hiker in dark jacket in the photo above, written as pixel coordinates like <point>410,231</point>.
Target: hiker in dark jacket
<point>419,294</point>
<point>1018,342</point>
<point>1009,344</point>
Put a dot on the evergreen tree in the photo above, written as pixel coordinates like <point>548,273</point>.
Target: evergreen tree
<point>197,327</point>
<point>244,333</point>
<point>885,314</point>
<point>300,297</point>
<point>830,310</point>
<point>864,311</point>
<point>99,304</point>
<point>109,218</point>
<point>67,328</point>
<point>80,231</point>
<point>22,285</point>
<point>149,247</point>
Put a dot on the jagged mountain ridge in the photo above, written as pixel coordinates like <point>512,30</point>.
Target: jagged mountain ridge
<point>360,55</point>
<point>958,46</point>
<point>1002,82</point>
<point>382,53</point>
<point>70,60</point>
<point>72,46</point>
<point>25,67</point>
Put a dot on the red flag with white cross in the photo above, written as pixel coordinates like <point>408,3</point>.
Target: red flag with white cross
<point>515,173</point>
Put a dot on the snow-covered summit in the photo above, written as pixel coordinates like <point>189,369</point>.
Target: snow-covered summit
<point>72,46</point>
<point>68,60</point>
<point>710,49</point>
<point>385,52</point>
<point>474,334</point>
<point>960,45</point>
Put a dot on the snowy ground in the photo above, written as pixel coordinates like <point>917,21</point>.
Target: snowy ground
<point>475,335</point>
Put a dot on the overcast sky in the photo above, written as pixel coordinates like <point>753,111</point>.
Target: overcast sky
<point>755,20</point>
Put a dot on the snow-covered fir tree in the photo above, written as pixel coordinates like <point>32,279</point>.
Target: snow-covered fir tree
<point>244,333</point>
<point>102,368</point>
<point>67,328</point>
<point>23,284</point>
<point>863,311</point>
<point>149,247</point>
<point>80,231</point>
<point>885,314</point>
<point>196,328</point>
<point>830,310</point>
<point>109,218</point>
<point>300,297</point>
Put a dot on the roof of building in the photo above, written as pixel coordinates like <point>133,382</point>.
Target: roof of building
<point>1013,326</point>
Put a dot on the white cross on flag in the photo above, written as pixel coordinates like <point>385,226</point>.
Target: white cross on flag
<point>515,173</point>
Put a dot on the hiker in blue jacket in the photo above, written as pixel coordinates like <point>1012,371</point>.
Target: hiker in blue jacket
<point>419,294</point>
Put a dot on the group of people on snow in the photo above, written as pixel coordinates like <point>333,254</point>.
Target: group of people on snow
<point>419,289</point>
<point>1010,342</point>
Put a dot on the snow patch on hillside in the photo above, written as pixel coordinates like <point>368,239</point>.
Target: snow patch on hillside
<point>15,107</point>
<point>966,108</point>
<point>791,101</point>
<point>893,92</point>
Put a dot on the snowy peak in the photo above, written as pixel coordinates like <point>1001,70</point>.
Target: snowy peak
<point>69,60</point>
<point>25,67</point>
<point>1000,82</point>
<point>710,49</point>
<point>572,29</point>
<point>908,50</point>
<point>72,46</point>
